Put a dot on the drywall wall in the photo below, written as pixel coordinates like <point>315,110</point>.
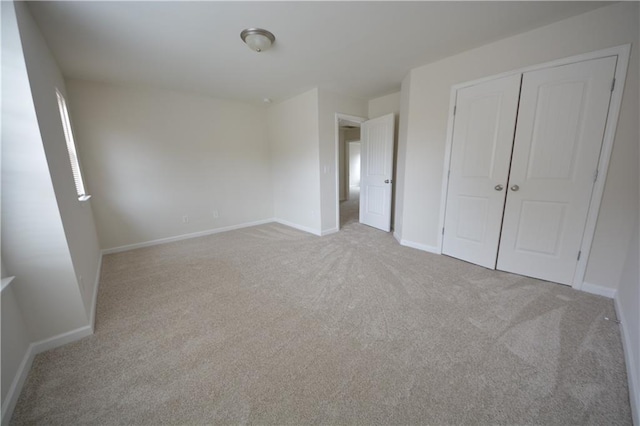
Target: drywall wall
<point>294,147</point>
<point>384,105</point>
<point>77,216</point>
<point>400,169</point>
<point>353,149</point>
<point>346,135</point>
<point>34,245</point>
<point>330,104</point>
<point>45,299</point>
<point>15,340</point>
<point>342,166</point>
<point>628,301</point>
<point>161,164</point>
<point>424,125</point>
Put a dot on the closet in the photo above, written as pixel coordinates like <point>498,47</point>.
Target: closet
<point>524,159</point>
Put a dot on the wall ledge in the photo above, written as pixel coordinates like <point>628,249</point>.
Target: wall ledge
<point>5,282</point>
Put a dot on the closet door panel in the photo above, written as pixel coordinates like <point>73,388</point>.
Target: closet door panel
<point>561,121</point>
<point>481,151</point>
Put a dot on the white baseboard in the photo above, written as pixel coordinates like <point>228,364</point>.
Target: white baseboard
<point>397,236</point>
<point>633,370</point>
<point>25,366</point>
<point>329,231</point>
<point>598,290</point>
<point>184,236</point>
<point>61,339</point>
<point>419,246</point>
<point>94,301</point>
<point>298,227</point>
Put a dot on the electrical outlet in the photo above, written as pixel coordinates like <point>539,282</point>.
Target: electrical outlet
<point>216,214</point>
<point>185,219</point>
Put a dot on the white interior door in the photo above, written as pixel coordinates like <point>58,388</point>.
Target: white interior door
<point>376,146</point>
<point>561,121</point>
<point>483,131</point>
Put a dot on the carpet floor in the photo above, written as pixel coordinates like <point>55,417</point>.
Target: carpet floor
<point>270,325</point>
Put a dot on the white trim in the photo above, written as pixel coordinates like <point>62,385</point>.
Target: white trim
<point>419,246</point>
<point>329,231</point>
<point>598,290</point>
<point>298,227</point>
<point>447,165</point>
<point>622,52</point>
<point>94,301</point>
<point>603,165</point>
<point>633,370</point>
<point>62,339</point>
<point>25,365</point>
<point>184,236</point>
<point>397,236</point>
<point>5,283</point>
<point>338,116</point>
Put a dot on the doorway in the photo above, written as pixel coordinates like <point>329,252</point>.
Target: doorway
<point>348,140</point>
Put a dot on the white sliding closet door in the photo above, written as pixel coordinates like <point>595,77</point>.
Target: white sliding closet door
<point>561,121</point>
<point>483,130</point>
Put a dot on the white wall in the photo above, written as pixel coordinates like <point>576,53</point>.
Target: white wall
<point>384,105</point>
<point>15,340</point>
<point>400,169</point>
<point>424,119</point>
<point>354,163</point>
<point>34,245</point>
<point>343,166</point>
<point>346,135</point>
<point>45,299</point>
<point>152,157</point>
<point>628,301</point>
<point>329,105</point>
<point>294,146</point>
<point>77,217</point>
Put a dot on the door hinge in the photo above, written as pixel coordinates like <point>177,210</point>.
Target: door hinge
<point>595,175</point>
<point>613,84</point>
<point>455,107</point>
<point>579,253</point>
<point>448,174</point>
<point>442,230</point>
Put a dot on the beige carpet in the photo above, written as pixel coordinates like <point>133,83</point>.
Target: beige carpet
<point>269,325</point>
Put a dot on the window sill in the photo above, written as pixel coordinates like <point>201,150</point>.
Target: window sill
<point>6,282</point>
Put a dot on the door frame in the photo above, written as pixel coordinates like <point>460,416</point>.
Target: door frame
<point>622,52</point>
<point>337,118</point>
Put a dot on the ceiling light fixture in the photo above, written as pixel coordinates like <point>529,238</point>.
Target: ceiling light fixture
<point>257,39</point>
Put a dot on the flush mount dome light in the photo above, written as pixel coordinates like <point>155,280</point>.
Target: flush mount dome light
<point>257,39</point>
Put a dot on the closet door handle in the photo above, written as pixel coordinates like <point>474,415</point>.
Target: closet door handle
<point>498,187</point>
<point>515,188</point>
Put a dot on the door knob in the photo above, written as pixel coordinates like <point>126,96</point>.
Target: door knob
<point>386,181</point>
<point>515,187</point>
<point>498,187</point>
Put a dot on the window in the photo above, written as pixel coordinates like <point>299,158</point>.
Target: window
<point>71,148</point>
